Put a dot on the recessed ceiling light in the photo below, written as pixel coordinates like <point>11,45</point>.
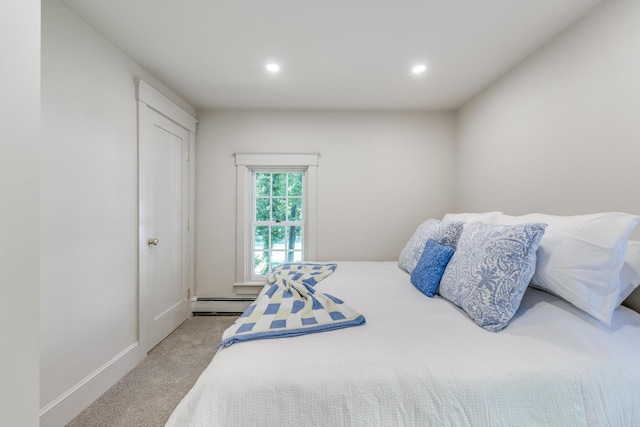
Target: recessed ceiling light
<point>272,67</point>
<point>419,69</point>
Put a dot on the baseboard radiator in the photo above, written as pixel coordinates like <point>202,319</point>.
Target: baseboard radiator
<point>218,306</point>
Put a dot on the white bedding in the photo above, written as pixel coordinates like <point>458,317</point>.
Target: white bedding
<point>420,361</point>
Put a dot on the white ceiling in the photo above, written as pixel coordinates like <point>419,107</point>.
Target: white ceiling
<point>335,54</point>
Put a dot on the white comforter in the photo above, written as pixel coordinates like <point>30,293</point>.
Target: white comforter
<point>423,362</point>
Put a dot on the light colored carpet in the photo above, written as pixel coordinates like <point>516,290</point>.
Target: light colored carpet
<point>147,395</point>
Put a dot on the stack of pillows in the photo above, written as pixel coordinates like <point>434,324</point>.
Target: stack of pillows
<point>484,262</point>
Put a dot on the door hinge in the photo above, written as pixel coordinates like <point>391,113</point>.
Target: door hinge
<point>188,156</point>
<point>188,224</point>
<point>188,293</point>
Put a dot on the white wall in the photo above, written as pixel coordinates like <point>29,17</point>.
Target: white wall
<point>561,132</point>
<point>89,214</point>
<point>380,175</point>
<point>19,234</point>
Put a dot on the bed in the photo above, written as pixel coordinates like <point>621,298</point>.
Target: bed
<point>420,361</point>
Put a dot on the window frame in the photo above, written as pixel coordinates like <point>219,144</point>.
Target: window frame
<point>246,164</point>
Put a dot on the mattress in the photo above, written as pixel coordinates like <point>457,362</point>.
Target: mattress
<point>422,362</point>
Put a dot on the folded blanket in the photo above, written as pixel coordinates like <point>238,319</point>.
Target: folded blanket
<point>289,306</point>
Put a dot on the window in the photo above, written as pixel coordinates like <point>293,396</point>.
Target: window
<point>278,225</point>
<point>275,214</point>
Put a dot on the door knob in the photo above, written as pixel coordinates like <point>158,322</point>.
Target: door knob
<point>153,241</point>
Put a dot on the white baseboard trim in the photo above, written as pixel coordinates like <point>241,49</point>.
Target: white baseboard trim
<point>69,404</point>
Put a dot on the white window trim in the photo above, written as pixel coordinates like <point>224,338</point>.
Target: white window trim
<point>246,163</point>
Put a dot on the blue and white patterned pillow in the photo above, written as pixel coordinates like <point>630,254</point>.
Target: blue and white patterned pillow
<point>490,271</point>
<point>442,232</point>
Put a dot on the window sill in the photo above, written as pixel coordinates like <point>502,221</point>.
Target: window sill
<point>248,288</point>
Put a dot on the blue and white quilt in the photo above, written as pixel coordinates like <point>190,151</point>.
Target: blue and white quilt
<point>290,305</point>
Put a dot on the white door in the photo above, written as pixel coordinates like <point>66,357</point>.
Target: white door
<point>164,215</point>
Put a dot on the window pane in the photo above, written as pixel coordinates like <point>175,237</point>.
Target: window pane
<point>294,256</point>
<point>294,184</point>
<point>279,206</point>
<point>277,258</point>
<point>263,184</point>
<point>261,263</point>
<point>294,238</point>
<point>279,184</point>
<point>261,237</point>
<point>294,209</point>
<point>262,209</point>
<point>277,238</point>
<point>274,264</point>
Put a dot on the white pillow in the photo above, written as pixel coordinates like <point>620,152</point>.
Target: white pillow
<point>580,258</point>
<point>486,217</point>
<point>630,274</point>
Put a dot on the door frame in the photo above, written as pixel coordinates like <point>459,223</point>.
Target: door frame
<point>149,98</point>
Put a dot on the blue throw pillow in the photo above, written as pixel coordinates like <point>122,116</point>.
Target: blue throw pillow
<point>490,271</point>
<point>428,272</point>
